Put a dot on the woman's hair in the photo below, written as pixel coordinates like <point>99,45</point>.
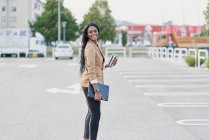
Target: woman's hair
<point>84,41</point>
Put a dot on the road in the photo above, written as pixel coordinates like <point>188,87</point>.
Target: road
<point>40,99</point>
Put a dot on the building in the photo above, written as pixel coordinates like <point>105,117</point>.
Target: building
<point>138,34</point>
<point>17,13</point>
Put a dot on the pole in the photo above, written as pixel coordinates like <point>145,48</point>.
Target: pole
<point>7,11</point>
<point>64,23</point>
<point>183,29</point>
<point>59,22</point>
<point>0,17</point>
<point>63,34</point>
<point>163,17</point>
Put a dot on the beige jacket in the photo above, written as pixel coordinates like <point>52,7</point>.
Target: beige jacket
<point>94,65</point>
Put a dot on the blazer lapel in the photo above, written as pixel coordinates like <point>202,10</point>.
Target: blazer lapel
<point>98,49</point>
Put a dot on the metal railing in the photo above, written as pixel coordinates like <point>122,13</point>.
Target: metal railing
<point>116,50</point>
<point>138,50</point>
<point>179,54</point>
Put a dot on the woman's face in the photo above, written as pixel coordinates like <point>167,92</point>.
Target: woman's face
<point>92,33</point>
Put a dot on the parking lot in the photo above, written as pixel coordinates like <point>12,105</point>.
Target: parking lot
<point>149,100</point>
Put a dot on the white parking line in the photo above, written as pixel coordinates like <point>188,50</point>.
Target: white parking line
<point>27,65</point>
<point>176,93</point>
<point>193,122</point>
<point>159,72</point>
<point>169,80</point>
<point>72,64</point>
<point>183,104</point>
<point>143,66</point>
<point>173,86</point>
<point>166,76</point>
<point>56,90</point>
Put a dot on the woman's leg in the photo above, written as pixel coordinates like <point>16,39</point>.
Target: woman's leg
<point>86,129</point>
<point>93,117</point>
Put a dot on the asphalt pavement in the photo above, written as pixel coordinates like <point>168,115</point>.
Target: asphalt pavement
<point>150,99</point>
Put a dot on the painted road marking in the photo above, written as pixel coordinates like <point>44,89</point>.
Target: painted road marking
<point>166,76</point>
<point>72,89</point>
<point>76,87</point>
<point>157,70</point>
<point>23,59</point>
<point>173,86</point>
<point>183,104</point>
<point>176,93</point>
<point>72,64</point>
<point>27,66</point>
<point>169,80</point>
<point>193,122</point>
<point>56,90</point>
<point>160,72</point>
<point>143,66</point>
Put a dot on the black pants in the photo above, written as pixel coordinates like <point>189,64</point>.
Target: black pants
<point>92,117</point>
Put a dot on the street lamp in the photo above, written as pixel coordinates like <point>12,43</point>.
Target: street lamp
<point>183,31</point>
<point>64,23</point>
<point>59,22</point>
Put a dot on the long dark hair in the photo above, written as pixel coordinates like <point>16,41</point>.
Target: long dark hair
<point>84,41</point>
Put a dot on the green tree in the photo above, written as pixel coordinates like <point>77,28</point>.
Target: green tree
<point>206,30</point>
<point>47,23</point>
<point>124,38</point>
<point>100,14</point>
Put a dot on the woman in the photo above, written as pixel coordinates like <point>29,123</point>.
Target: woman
<point>92,66</point>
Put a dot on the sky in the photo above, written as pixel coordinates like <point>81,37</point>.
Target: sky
<point>187,12</point>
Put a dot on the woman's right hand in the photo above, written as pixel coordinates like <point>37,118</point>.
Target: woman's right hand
<point>98,96</point>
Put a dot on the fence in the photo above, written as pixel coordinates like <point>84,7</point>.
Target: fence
<point>116,50</point>
<point>179,53</point>
<point>138,51</point>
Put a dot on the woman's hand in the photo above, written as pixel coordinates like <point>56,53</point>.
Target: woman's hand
<point>98,96</point>
<point>114,62</point>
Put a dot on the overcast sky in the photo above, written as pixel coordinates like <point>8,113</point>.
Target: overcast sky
<point>189,12</point>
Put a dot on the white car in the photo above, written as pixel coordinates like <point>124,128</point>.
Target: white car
<point>63,51</point>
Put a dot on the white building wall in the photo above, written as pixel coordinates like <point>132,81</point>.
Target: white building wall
<point>19,12</point>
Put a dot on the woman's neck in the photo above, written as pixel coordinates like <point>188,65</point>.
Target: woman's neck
<point>95,42</point>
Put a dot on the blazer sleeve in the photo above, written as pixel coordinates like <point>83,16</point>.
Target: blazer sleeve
<point>90,53</point>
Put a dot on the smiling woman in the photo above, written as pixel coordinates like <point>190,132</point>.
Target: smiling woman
<point>91,69</point>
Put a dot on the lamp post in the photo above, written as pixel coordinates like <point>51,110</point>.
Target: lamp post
<point>183,31</point>
<point>0,17</point>
<point>64,23</point>
<point>163,16</point>
<point>59,22</point>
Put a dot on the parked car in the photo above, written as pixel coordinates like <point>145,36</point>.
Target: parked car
<point>63,51</point>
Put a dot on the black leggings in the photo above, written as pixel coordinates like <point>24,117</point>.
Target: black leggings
<point>92,117</point>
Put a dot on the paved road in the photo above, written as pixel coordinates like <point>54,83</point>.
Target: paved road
<point>150,100</point>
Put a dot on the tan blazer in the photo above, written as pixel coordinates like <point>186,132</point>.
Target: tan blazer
<point>94,65</point>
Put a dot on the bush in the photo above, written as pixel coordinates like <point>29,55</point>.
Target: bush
<point>190,61</point>
<point>49,51</point>
<point>207,64</point>
<point>202,61</point>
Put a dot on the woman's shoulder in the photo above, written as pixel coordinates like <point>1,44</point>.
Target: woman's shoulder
<point>89,46</point>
